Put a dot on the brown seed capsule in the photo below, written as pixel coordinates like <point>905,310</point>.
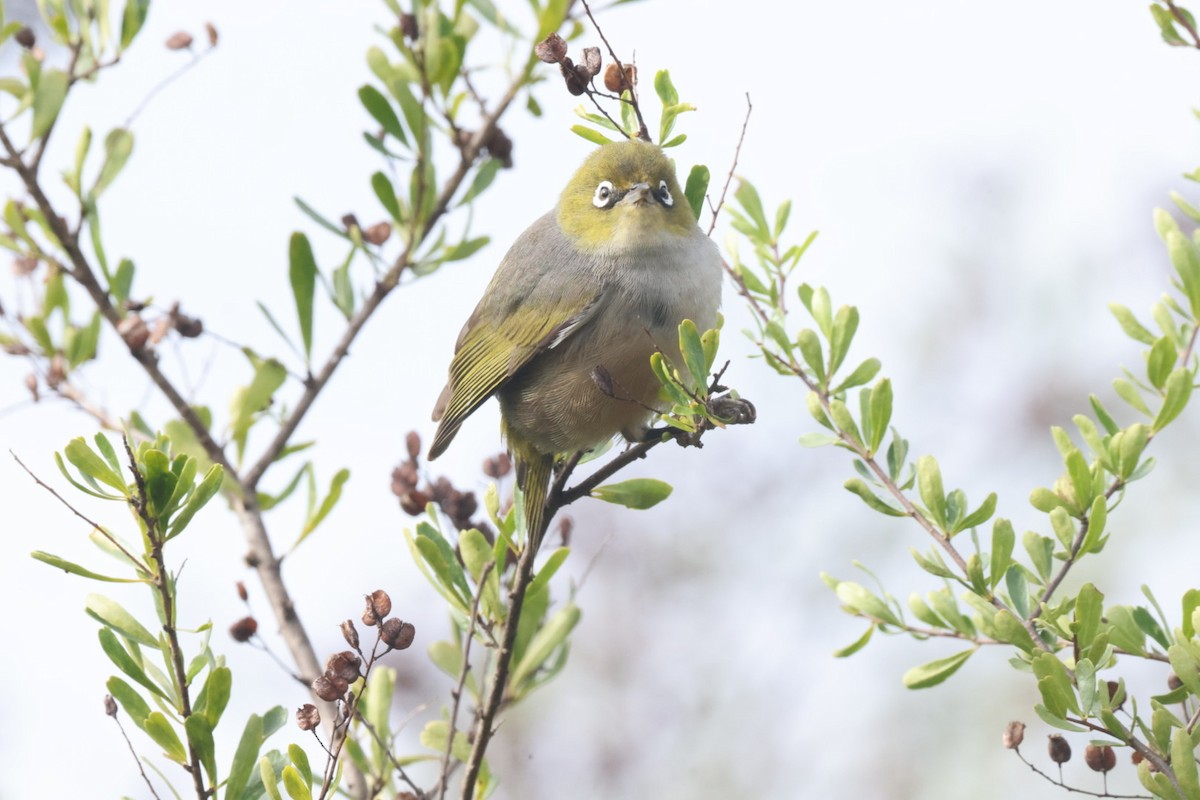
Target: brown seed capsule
<point>25,265</point>
<point>408,26</point>
<point>344,665</point>
<point>1114,689</point>
<point>565,526</point>
<point>180,40</point>
<point>412,443</point>
<point>134,331</point>
<point>329,687</point>
<point>1173,681</point>
<point>25,38</point>
<point>57,373</point>
<point>31,383</point>
<point>405,478</point>
<point>211,30</point>
<point>110,705</point>
<point>1014,734</point>
<point>413,503</point>
<point>397,635</point>
<point>576,84</point>
<point>244,629</point>
<point>499,147</point>
<point>1136,758</point>
<point>1099,759</point>
<point>497,466</point>
<point>591,61</point>
<point>350,633</point>
<point>242,594</point>
<point>379,603</point>
<point>552,49</point>
<point>350,221</point>
<point>618,80</point>
<point>1060,751</point>
<point>308,717</point>
<point>378,233</point>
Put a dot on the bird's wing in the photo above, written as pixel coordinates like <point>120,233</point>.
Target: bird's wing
<point>506,331</point>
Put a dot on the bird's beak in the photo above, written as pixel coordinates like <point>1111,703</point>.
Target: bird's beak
<point>637,195</point>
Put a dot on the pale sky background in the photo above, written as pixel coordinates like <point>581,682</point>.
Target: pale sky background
<point>983,177</point>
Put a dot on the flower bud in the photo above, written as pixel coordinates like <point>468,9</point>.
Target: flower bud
<point>1014,734</point>
<point>552,49</point>
<point>1099,758</point>
<point>110,705</point>
<point>397,635</point>
<point>308,717</point>
<point>344,665</point>
<point>180,40</point>
<point>1060,751</point>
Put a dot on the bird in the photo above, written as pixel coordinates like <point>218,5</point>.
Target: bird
<point>564,332</point>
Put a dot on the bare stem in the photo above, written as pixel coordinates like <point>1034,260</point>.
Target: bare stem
<point>643,131</point>
<point>136,759</point>
<point>1069,788</point>
<point>737,152</point>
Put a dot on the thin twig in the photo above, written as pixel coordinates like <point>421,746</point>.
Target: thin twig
<point>1059,783</point>
<point>643,131</point>
<point>737,152</point>
<point>387,749</point>
<point>463,671</point>
<point>165,82</point>
<point>138,760</point>
<point>114,541</point>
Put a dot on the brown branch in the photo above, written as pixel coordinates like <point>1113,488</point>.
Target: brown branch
<point>163,584</point>
<point>643,131</point>
<point>1182,19</point>
<point>737,152</point>
<point>463,671</point>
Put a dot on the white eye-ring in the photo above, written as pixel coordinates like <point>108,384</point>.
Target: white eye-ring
<point>604,195</point>
<point>664,194</point>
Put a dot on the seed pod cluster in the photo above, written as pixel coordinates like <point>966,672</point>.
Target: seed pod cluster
<point>578,77</point>
<point>459,506</point>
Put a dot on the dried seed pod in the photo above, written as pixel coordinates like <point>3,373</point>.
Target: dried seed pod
<point>499,147</point>
<point>350,221</point>
<point>243,595</point>
<point>412,443</point>
<point>397,635</point>
<point>1099,758</point>
<point>25,38</point>
<point>576,84</point>
<point>565,526</point>
<point>211,31</point>
<point>408,26</point>
<point>1114,689</point>
<point>591,61</point>
<point>181,40</point>
<point>405,478</point>
<point>1173,681</point>
<point>31,383</point>
<point>379,603</point>
<point>621,78</point>
<point>350,633</point>
<point>552,49</point>
<point>378,233</point>
<point>244,629</point>
<point>497,466</point>
<point>344,665</point>
<point>1014,734</point>
<point>110,705</point>
<point>25,265</point>
<point>1136,758</point>
<point>329,687</point>
<point>57,373</point>
<point>134,331</point>
<point>413,503</point>
<point>308,717</point>
<point>1060,751</point>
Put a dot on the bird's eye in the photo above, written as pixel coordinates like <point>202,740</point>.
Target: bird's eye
<point>664,194</point>
<point>604,195</point>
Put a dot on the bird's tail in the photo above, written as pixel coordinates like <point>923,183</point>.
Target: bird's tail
<point>535,474</point>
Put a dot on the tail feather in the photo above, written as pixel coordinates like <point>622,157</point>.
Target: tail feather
<point>535,473</point>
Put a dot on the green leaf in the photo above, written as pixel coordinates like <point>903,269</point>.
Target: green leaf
<point>269,778</point>
<point>48,97</point>
<point>551,636</point>
<point>253,398</point>
<point>159,728</point>
<point>1089,605</point>
<point>218,686</point>
<point>1054,682</point>
<point>860,488</point>
<point>1185,665</point>
<point>1003,539</point>
<point>245,759</point>
<point>1186,259</point>
<point>111,613</point>
<point>693,355</point>
<point>484,175</point>
<point>295,785</point>
<point>75,569</point>
<point>302,272</point>
<point>200,738</point>
<point>1133,329</point>
<point>1056,720</point>
<point>300,759</point>
<point>124,662</point>
<point>638,493</point>
<point>979,515</point>
<point>929,483</point>
<point>859,598</point>
<point>206,491</point>
<point>331,499</point>
<point>879,413</point>
<point>1178,392</point>
<point>381,110</point>
<point>1183,761</point>
<point>935,672</point>
<point>137,708</point>
<point>132,19</point>
<point>862,374</point>
<point>591,134</point>
<point>856,645</point>
<point>386,193</point>
<point>1041,550</point>
<point>118,146</point>
<point>91,465</point>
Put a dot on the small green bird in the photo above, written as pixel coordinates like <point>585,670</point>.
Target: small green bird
<point>565,330</point>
